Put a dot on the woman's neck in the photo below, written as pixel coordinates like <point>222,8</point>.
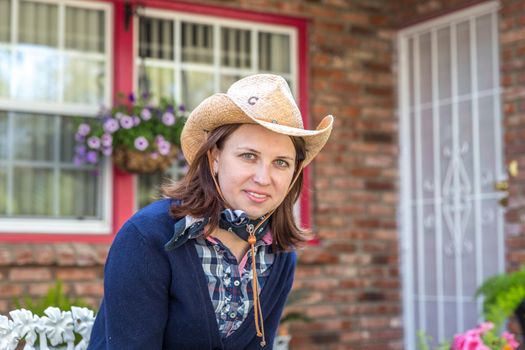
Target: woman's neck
<point>235,244</point>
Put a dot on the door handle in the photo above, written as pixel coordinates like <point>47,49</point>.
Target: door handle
<point>503,185</point>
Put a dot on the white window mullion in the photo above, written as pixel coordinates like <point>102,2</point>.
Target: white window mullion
<point>437,186</point>
<point>500,173</point>
<point>419,185</point>
<point>456,183</point>
<point>406,185</point>
<point>476,152</point>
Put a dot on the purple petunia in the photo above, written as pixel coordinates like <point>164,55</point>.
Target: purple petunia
<point>159,139</point>
<point>145,114</point>
<point>164,148</point>
<point>78,160</point>
<point>141,143</point>
<point>136,120</point>
<point>182,108</point>
<point>79,138</point>
<point>91,157</point>
<point>107,151</point>
<point>131,97</point>
<point>107,140</point>
<point>126,122</point>
<point>84,129</point>
<point>93,142</point>
<point>80,150</point>
<point>111,125</point>
<point>168,119</point>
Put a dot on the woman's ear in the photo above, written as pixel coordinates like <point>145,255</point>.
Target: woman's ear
<point>215,155</point>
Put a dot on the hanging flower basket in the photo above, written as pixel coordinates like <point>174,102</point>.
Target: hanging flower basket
<point>139,137</point>
<point>132,161</point>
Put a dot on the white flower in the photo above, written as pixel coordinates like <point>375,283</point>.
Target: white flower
<point>25,324</point>
<point>58,325</point>
<point>8,335</point>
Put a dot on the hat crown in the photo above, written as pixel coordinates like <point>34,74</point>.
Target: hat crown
<point>266,97</point>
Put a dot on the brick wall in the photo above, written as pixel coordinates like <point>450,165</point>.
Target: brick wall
<point>30,270</point>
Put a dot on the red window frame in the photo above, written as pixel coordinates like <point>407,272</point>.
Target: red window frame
<point>123,63</point>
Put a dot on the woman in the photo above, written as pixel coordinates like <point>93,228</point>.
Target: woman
<point>210,266</point>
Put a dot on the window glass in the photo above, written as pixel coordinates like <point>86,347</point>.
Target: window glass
<point>38,23</point>
<point>84,81</point>
<point>36,70</point>
<point>33,137</point>
<point>236,48</point>
<point>79,190</point>
<point>33,190</point>
<point>156,38</point>
<point>274,52</point>
<point>5,20</point>
<point>46,70</point>
<point>5,72</point>
<point>197,43</point>
<point>197,86</point>
<point>85,30</point>
<point>3,136</point>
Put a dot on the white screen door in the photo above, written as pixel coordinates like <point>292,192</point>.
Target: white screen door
<point>451,224</point>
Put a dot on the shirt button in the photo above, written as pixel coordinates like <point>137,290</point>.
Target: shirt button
<point>236,283</point>
<point>233,314</point>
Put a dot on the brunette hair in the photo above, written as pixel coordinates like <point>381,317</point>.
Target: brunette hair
<point>199,198</point>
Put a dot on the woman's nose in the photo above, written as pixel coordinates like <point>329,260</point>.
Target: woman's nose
<point>262,174</point>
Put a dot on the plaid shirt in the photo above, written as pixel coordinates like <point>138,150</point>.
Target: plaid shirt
<point>229,282</point>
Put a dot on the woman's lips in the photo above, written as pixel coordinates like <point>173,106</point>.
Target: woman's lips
<point>256,196</point>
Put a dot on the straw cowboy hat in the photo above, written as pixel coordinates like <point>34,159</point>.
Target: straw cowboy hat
<point>263,99</point>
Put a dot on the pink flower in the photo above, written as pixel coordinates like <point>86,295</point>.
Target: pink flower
<point>164,148</point>
<point>126,122</point>
<point>107,151</point>
<point>485,327</point>
<point>511,340</point>
<point>145,114</point>
<point>106,139</point>
<point>168,118</point>
<point>136,120</point>
<point>93,142</point>
<point>110,126</point>
<point>83,129</point>
<point>141,143</point>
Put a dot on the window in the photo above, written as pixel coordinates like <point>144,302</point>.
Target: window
<point>55,63</point>
<point>190,57</point>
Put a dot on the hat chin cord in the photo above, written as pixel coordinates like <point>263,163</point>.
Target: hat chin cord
<point>259,320</point>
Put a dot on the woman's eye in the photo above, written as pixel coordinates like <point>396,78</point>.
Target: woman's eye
<point>248,156</point>
<point>282,163</point>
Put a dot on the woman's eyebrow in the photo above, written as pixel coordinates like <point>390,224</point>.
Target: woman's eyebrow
<point>248,149</point>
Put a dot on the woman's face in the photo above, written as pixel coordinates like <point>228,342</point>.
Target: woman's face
<point>255,168</point>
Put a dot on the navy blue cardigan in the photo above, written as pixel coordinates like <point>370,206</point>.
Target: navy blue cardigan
<point>155,299</point>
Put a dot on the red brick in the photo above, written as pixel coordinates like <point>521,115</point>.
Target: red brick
<point>89,288</point>
<point>30,274</point>
<point>10,290</point>
<point>75,274</point>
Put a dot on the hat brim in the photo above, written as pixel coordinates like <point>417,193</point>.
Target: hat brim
<point>219,109</point>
